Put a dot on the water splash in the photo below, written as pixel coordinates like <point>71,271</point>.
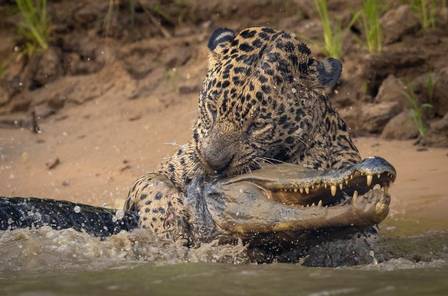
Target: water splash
<point>46,249</point>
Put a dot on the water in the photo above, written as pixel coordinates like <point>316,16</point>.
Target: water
<point>48,262</point>
<point>46,249</point>
<point>226,279</point>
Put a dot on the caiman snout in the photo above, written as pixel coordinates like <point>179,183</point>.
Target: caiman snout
<point>289,197</point>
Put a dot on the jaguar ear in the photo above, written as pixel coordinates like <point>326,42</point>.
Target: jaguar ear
<point>220,35</point>
<point>329,71</point>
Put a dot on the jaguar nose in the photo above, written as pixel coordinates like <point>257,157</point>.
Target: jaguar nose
<point>218,161</point>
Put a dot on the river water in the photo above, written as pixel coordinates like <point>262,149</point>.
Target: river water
<point>227,279</point>
<point>48,262</point>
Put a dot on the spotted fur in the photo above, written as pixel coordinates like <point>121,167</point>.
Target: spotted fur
<point>262,101</point>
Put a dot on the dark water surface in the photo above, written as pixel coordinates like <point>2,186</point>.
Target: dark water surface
<point>227,279</point>
<point>48,262</point>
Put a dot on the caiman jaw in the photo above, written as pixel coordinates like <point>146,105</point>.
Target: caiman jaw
<point>292,185</point>
<point>292,198</point>
<point>329,192</point>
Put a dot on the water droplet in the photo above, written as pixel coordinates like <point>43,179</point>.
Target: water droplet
<point>77,209</point>
<point>118,215</point>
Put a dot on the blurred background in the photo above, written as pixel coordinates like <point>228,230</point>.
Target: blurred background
<point>95,93</point>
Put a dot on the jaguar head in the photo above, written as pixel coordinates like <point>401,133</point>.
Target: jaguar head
<point>261,98</point>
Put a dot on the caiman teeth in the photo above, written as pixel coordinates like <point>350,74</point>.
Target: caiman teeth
<point>333,190</point>
<point>355,196</point>
<point>369,180</point>
<point>295,189</point>
<point>301,190</point>
<point>307,190</point>
<point>320,203</point>
<point>340,186</point>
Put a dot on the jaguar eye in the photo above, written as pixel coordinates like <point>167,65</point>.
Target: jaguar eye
<point>211,110</point>
<point>255,125</point>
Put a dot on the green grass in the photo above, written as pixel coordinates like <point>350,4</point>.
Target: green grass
<point>34,26</point>
<point>332,32</point>
<point>371,23</point>
<point>2,69</point>
<point>430,84</point>
<point>332,37</point>
<point>172,77</point>
<point>426,11</point>
<point>417,110</point>
<point>158,9</point>
<point>131,6</point>
<point>113,13</point>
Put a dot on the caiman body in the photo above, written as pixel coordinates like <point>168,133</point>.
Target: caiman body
<point>285,207</point>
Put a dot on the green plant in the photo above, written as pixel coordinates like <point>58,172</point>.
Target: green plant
<point>426,11</point>
<point>429,84</point>
<point>333,38</point>
<point>110,16</point>
<point>34,27</point>
<point>417,110</point>
<point>172,77</point>
<point>371,22</point>
<point>2,69</point>
<point>113,11</point>
<point>131,6</point>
